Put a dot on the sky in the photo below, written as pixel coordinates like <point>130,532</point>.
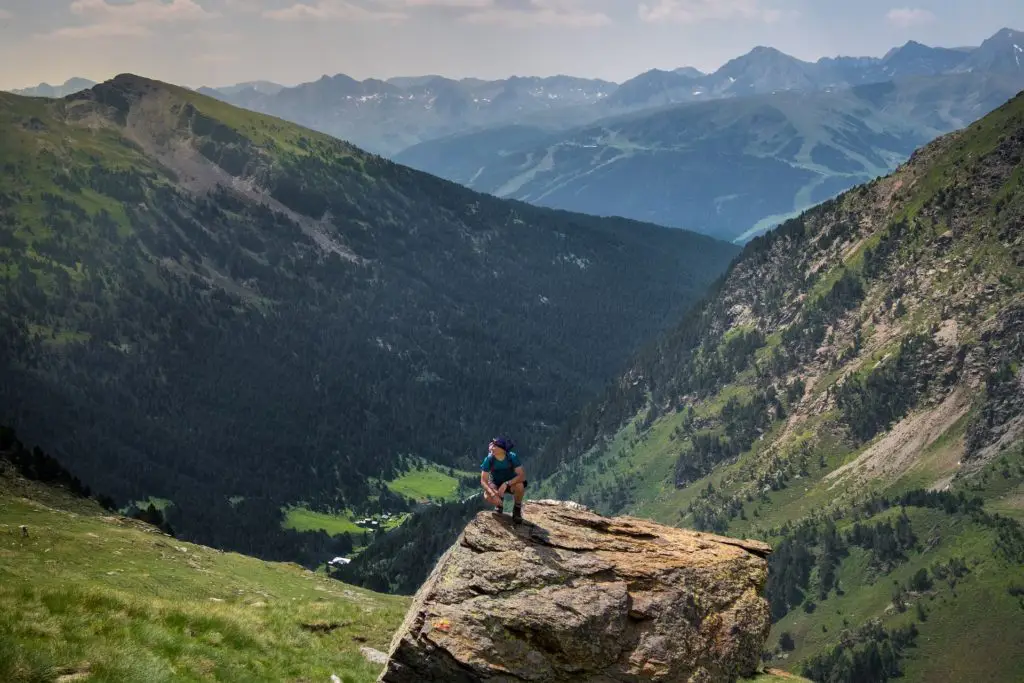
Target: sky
<point>221,42</point>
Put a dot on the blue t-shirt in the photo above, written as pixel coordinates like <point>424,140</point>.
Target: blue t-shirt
<point>501,470</point>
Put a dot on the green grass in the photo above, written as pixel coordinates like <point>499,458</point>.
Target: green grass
<point>112,600</point>
<point>303,519</point>
<point>973,142</point>
<point>644,462</point>
<point>1001,483</point>
<point>776,676</point>
<point>90,593</point>
<point>159,503</point>
<point>971,627</point>
<point>428,482</point>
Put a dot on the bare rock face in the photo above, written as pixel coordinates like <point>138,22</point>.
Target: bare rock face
<point>574,596</point>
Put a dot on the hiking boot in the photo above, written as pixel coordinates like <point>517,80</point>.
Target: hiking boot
<point>499,509</point>
<point>517,514</point>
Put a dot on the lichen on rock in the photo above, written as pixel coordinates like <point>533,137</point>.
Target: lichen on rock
<point>574,596</point>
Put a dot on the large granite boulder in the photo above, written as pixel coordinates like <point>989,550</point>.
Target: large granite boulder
<point>574,596</point>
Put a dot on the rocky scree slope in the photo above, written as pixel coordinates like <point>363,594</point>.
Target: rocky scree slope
<point>851,391</point>
<point>574,596</point>
<point>235,313</point>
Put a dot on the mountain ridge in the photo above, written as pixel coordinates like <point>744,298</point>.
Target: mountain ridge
<point>850,392</point>
<point>559,102</point>
<point>181,268</point>
<point>679,162</point>
<point>387,116</point>
<point>69,87</point>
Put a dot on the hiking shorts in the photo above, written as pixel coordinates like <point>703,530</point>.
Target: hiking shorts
<point>496,484</point>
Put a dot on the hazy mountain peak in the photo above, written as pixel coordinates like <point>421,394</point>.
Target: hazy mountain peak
<point>1002,53</point>
<point>689,71</point>
<point>261,87</point>
<point>72,85</point>
<point>764,53</point>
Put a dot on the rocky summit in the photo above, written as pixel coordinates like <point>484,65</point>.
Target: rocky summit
<point>571,595</point>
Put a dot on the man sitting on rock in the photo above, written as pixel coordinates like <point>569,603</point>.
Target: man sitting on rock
<point>500,473</point>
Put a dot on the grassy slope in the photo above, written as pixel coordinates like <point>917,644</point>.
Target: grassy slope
<point>970,628</point>
<point>94,597</point>
<point>424,480</point>
<point>90,593</point>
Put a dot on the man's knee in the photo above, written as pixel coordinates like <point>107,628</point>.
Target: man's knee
<point>518,490</point>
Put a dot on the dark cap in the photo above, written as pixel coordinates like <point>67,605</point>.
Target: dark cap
<point>502,443</point>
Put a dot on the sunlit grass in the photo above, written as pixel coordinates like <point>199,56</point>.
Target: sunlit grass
<point>89,593</point>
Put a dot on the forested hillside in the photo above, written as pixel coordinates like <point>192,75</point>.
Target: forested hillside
<point>852,391</point>
<point>234,314</point>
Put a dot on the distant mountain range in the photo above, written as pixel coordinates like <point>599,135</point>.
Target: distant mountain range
<point>71,86</point>
<point>712,160</point>
<point>766,70</point>
<point>260,87</point>
<point>388,116</point>
<point>731,168</point>
<point>728,153</point>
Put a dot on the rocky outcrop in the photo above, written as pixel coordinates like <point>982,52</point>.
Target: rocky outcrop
<point>574,596</point>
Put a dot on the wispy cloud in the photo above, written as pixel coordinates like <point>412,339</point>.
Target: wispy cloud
<point>565,13</point>
<point>698,11</point>
<point>140,12</point>
<point>906,16</point>
<point>333,9</point>
<point>132,19</point>
<point>509,13</point>
<point>443,3</point>
<point>5,14</point>
<point>244,6</point>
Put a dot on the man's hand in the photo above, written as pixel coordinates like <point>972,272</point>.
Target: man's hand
<point>502,489</point>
